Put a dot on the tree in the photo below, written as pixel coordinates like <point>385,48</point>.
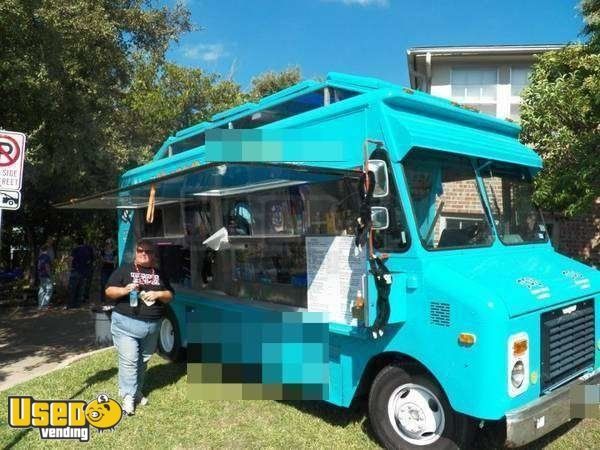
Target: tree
<point>164,98</point>
<point>591,13</point>
<point>65,69</point>
<point>89,84</point>
<point>270,82</point>
<point>561,118</point>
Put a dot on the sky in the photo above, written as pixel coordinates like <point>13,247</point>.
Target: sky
<point>241,39</point>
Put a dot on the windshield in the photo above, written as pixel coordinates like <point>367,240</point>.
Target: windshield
<point>509,189</point>
<point>447,204</point>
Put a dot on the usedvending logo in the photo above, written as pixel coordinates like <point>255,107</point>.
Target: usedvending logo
<point>64,419</point>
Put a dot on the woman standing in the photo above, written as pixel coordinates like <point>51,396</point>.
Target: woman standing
<point>140,292</point>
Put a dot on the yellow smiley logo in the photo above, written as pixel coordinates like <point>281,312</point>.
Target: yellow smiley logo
<point>103,413</point>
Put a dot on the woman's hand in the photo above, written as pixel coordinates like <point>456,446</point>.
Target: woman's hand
<point>131,286</point>
<point>115,292</point>
<point>163,296</point>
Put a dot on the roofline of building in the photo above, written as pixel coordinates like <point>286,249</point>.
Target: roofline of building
<point>489,49</point>
<point>429,52</point>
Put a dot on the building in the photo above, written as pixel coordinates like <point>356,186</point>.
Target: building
<point>490,79</point>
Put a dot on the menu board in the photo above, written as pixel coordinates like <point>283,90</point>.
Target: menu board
<point>336,274</point>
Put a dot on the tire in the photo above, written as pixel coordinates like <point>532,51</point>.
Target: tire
<point>169,338</point>
<point>412,412</point>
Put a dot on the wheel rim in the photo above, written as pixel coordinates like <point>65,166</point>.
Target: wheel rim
<point>167,335</point>
<point>416,414</point>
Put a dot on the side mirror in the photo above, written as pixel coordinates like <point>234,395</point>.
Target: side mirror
<point>380,217</point>
<point>379,168</point>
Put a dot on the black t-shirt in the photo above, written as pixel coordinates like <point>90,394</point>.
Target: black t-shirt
<point>148,279</point>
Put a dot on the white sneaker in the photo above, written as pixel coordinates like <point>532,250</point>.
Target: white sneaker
<point>140,399</point>
<point>128,405</point>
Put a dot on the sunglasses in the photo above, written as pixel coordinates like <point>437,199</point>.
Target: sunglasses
<point>145,250</point>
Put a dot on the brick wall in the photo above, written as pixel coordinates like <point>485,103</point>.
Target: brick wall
<point>577,237</point>
<point>461,199</point>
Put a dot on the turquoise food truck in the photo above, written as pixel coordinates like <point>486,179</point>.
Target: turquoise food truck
<point>479,320</point>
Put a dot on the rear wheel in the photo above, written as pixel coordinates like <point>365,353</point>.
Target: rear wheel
<point>169,337</point>
<point>411,412</point>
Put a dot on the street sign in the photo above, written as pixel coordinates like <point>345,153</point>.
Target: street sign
<point>10,199</point>
<point>12,156</point>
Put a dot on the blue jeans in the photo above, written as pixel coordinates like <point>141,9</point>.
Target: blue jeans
<point>136,342</point>
<point>45,292</point>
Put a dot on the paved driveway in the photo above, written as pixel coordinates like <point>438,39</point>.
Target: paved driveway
<point>34,342</point>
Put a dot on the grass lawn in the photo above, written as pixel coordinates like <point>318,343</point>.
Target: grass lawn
<point>171,420</point>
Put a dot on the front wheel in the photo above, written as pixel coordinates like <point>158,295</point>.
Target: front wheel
<point>411,412</point>
<point>169,337</point>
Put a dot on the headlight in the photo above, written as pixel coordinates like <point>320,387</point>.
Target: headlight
<point>518,364</point>
<point>518,374</point>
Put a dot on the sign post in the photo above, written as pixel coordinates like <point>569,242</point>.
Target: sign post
<point>12,157</point>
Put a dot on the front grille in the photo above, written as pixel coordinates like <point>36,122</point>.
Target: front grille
<point>567,338</point>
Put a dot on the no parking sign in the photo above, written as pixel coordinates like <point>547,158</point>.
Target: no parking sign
<point>12,156</point>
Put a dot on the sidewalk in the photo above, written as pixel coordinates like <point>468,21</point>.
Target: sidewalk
<point>34,342</point>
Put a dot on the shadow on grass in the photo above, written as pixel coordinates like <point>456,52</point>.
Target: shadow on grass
<point>494,435</point>
<point>98,377</point>
<point>163,375</point>
<point>18,438</point>
<point>336,415</point>
<point>490,438</point>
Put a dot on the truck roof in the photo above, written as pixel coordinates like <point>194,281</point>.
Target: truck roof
<point>428,121</point>
<point>328,120</point>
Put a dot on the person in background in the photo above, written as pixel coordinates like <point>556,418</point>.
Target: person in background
<point>89,271</point>
<point>108,257</point>
<point>51,252</point>
<point>81,267</point>
<point>136,318</point>
<point>44,272</point>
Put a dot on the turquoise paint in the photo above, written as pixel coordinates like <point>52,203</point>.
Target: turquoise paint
<point>126,237</point>
<point>478,284</point>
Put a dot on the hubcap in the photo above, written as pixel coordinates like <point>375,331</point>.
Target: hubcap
<point>167,335</point>
<point>416,414</point>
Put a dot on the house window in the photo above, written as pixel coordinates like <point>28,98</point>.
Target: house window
<point>471,85</point>
<point>476,87</point>
<point>519,79</point>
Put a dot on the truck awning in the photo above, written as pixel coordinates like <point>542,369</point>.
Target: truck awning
<point>209,180</point>
<point>460,132</point>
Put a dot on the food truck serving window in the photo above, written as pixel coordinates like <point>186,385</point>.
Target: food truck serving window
<point>266,218</point>
<point>448,207</point>
<point>510,189</point>
<point>240,228</point>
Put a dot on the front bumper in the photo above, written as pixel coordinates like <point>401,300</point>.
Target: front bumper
<point>543,415</point>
